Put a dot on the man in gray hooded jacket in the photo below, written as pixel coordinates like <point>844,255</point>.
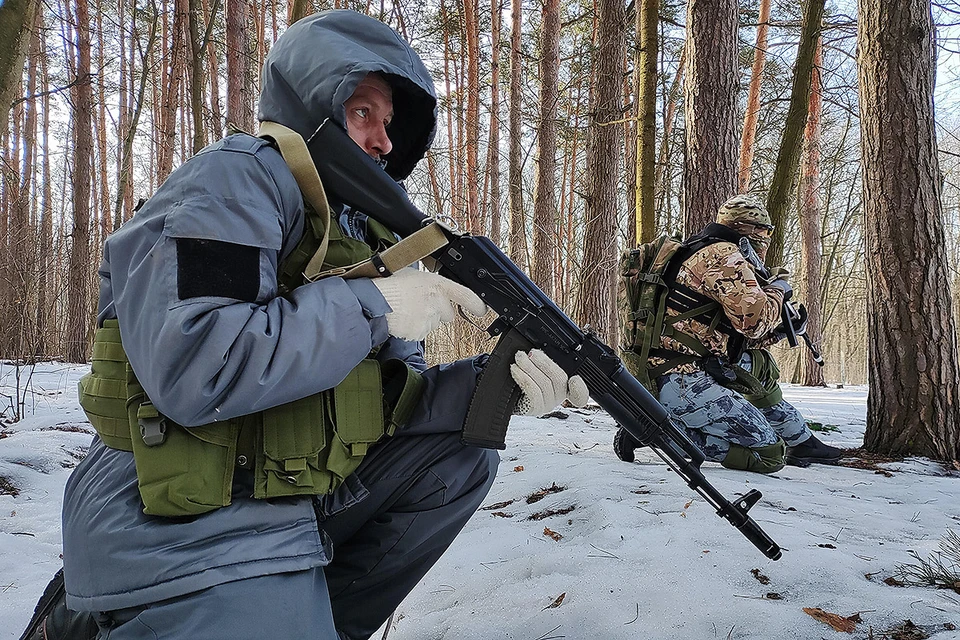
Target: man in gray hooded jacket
<point>192,280</point>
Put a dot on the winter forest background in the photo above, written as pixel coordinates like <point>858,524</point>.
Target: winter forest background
<point>568,131</point>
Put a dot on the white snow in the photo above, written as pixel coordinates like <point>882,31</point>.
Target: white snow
<point>641,555</point>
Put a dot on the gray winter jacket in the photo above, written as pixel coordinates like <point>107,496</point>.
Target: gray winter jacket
<point>192,279</point>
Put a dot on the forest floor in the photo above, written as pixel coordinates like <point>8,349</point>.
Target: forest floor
<point>574,544</point>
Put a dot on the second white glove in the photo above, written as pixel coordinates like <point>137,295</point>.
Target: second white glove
<point>544,384</point>
<point>422,301</point>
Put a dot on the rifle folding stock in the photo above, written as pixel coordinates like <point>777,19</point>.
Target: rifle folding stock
<point>527,318</point>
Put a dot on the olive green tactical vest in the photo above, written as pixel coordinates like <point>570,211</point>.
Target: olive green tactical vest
<point>305,447</point>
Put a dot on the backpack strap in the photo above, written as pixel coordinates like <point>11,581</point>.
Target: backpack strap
<point>688,304</point>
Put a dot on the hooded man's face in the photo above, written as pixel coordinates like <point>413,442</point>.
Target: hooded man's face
<point>369,112</point>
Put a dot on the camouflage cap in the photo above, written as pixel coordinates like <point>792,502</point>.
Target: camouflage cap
<point>744,208</point>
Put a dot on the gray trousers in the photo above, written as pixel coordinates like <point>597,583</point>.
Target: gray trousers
<point>415,494</point>
<point>715,416</point>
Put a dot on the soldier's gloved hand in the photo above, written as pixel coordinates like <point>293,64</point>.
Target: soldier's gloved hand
<point>800,321</point>
<point>422,301</point>
<point>782,285</point>
<point>624,444</point>
<point>544,384</point>
<point>779,273</point>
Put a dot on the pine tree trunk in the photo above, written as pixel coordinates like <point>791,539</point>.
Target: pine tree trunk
<point>170,101</point>
<point>598,285</point>
<point>493,163</point>
<point>299,9</point>
<point>216,117</point>
<point>788,159</point>
<point>16,16</point>
<point>752,114</point>
<point>710,108</point>
<point>104,222</point>
<point>239,112</point>
<point>544,202</point>
<point>912,407</point>
<point>518,236</point>
<point>474,221</point>
<point>810,225</point>
<point>647,119</point>
<point>22,235</point>
<point>78,309</point>
<point>45,261</point>
<point>197,80</point>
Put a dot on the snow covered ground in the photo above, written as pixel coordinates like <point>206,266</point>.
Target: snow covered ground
<point>633,554</point>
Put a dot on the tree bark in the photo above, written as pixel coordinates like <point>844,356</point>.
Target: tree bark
<point>810,225</point>
<point>170,84</point>
<point>78,308</point>
<point>788,158</point>
<point>299,9</point>
<point>472,125</point>
<point>123,207</point>
<point>22,236</point>
<point>239,101</point>
<point>45,259</point>
<point>16,18</point>
<point>662,178</point>
<point>598,290</point>
<point>518,236</point>
<point>710,108</point>
<point>544,201</point>
<point>493,164</point>
<point>649,22</point>
<point>197,80</point>
<point>912,406</point>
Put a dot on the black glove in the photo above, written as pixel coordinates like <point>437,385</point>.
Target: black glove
<point>624,445</point>
<point>799,321</point>
<point>783,285</point>
<point>798,318</point>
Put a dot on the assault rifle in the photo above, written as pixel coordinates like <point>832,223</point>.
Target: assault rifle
<point>527,319</point>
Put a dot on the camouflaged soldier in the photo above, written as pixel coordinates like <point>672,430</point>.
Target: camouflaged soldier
<point>712,369</point>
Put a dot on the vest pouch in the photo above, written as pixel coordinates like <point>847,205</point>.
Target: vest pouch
<point>312,444</point>
<point>291,461</point>
<point>103,391</point>
<point>358,409</point>
<point>191,471</point>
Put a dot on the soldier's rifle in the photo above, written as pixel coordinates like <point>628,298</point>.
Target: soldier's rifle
<point>527,318</point>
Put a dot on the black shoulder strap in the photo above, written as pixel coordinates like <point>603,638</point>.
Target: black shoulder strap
<point>711,234</point>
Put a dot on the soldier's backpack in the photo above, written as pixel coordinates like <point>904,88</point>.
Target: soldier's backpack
<point>647,288</point>
<point>642,295</point>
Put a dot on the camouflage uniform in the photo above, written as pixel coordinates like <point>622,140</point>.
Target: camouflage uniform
<point>720,271</point>
<point>744,423</point>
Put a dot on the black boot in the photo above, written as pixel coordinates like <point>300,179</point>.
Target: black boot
<point>53,621</point>
<point>812,451</point>
<point>624,444</point>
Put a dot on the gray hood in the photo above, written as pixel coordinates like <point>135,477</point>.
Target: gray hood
<point>318,62</point>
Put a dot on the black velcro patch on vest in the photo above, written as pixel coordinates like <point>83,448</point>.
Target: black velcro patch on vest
<point>215,268</point>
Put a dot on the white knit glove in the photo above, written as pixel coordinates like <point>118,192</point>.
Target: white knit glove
<point>422,301</point>
<point>544,384</point>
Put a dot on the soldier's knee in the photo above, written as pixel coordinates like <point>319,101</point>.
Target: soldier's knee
<point>767,459</point>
